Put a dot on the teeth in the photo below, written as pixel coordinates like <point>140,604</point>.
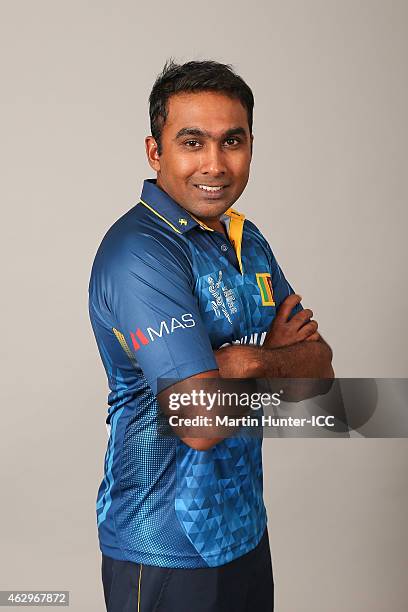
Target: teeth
<point>207,188</point>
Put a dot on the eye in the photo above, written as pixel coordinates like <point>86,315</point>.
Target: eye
<point>230,142</point>
<point>192,143</point>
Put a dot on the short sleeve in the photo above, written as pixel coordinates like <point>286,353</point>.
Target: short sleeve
<point>146,287</point>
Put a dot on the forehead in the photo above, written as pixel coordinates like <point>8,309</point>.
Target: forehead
<point>208,110</point>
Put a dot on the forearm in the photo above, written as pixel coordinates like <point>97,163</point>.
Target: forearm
<point>300,360</point>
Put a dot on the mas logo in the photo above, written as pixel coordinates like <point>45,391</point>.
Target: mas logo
<point>141,337</point>
<point>265,288</point>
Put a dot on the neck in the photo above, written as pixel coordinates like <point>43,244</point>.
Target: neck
<point>214,224</point>
<point>218,226</point>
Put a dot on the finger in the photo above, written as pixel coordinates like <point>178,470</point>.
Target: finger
<point>307,330</point>
<point>313,338</point>
<point>302,317</point>
<point>287,306</point>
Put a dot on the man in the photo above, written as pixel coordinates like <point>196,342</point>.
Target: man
<point>182,523</point>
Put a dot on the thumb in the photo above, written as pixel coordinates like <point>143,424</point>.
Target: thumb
<point>287,306</point>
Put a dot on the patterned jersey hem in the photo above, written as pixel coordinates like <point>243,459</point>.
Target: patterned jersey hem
<point>184,562</point>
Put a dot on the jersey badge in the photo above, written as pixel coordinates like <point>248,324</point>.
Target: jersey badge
<point>265,288</point>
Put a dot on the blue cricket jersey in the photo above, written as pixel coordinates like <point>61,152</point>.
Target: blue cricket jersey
<point>165,292</point>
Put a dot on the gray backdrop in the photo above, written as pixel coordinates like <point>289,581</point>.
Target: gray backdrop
<point>328,187</point>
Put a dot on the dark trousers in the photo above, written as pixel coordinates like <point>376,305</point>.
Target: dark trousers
<point>243,585</point>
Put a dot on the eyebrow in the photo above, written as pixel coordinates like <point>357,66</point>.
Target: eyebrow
<point>193,131</point>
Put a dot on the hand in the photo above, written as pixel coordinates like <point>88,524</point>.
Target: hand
<point>284,333</point>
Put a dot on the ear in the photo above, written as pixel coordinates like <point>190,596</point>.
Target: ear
<point>252,142</point>
<point>152,153</point>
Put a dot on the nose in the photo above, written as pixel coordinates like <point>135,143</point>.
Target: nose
<point>212,161</point>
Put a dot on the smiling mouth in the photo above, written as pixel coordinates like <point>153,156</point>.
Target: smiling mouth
<point>211,188</point>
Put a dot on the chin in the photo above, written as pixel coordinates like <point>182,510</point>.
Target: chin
<point>210,211</point>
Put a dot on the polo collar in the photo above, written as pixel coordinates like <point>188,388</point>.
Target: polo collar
<point>163,206</point>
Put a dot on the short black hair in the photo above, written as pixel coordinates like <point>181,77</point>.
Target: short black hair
<point>195,76</point>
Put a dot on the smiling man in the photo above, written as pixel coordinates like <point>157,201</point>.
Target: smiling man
<point>208,148</point>
<point>183,287</point>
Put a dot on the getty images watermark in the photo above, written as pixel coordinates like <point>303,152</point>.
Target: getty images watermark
<point>221,400</point>
<point>282,407</point>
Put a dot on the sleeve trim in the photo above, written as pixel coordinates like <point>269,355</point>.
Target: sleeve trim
<point>183,371</point>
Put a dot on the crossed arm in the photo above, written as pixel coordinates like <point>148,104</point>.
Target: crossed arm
<point>292,349</point>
